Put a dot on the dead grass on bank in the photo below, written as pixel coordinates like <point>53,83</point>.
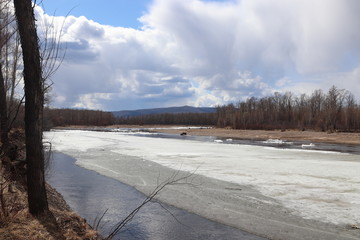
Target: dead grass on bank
<point>292,135</point>
<point>70,227</point>
<point>16,223</point>
<point>62,223</point>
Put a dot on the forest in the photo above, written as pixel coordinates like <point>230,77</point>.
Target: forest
<point>65,117</point>
<point>335,110</point>
<point>170,119</point>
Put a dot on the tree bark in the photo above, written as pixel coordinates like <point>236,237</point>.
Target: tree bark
<point>34,100</point>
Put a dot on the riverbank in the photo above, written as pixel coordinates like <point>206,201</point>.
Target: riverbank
<point>15,220</point>
<point>289,135</point>
<point>352,138</point>
<point>62,223</point>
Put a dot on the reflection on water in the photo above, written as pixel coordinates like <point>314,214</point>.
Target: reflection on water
<point>91,194</point>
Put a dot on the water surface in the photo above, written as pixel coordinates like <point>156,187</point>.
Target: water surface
<point>91,194</point>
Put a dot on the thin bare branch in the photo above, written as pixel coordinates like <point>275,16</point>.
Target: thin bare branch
<point>172,180</point>
<point>98,221</point>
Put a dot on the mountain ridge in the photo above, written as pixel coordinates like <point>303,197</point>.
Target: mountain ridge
<point>172,110</point>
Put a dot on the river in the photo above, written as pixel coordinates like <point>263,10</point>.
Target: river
<point>273,189</point>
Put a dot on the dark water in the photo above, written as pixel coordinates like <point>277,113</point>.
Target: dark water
<point>91,194</point>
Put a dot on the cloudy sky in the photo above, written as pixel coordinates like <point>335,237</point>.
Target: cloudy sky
<point>132,54</point>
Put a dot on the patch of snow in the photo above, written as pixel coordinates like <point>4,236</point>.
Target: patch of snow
<point>277,142</point>
<point>311,145</point>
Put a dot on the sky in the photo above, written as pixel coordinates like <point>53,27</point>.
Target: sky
<point>124,55</point>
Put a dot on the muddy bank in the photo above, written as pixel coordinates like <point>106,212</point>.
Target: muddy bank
<point>290,135</point>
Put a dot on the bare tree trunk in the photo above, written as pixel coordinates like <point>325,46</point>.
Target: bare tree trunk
<point>14,79</point>
<point>4,128</point>
<point>3,106</point>
<point>34,100</point>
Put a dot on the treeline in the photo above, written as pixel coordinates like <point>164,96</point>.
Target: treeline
<point>335,110</point>
<point>171,119</point>
<point>66,117</point>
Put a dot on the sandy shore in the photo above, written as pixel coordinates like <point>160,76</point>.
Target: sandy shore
<point>291,135</point>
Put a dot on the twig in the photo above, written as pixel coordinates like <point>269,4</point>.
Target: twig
<point>98,221</point>
<point>172,180</point>
<point>176,219</point>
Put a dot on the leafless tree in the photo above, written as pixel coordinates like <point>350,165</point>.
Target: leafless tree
<point>6,33</point>
<point>336,110</point>
<point>34,100</point>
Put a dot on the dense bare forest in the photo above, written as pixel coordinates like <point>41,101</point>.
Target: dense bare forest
<point>66,117</point>
<point>170,118</point>
<point>335,110</point>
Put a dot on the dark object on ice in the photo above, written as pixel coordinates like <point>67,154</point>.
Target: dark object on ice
<point>183,133</point>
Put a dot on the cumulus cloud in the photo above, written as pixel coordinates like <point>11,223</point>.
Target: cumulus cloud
<point>207,53</point>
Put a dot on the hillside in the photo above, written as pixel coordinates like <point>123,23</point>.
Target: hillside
<point>174,110</point>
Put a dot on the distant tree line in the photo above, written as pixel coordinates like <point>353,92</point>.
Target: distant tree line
<point>335,110</point>
<point>66,117</point>
<point>171,119</point>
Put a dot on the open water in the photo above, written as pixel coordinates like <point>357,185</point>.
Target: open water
<point>91,194</point>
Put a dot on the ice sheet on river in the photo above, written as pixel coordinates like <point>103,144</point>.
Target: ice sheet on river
<point>318,185</point>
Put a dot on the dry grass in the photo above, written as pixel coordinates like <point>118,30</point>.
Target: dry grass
<point>17,224</point>
<point>69,226</point>
<point>61,223</point>
<point>312,136</point>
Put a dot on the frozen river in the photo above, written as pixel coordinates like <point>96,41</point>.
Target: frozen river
<point>315,188</point>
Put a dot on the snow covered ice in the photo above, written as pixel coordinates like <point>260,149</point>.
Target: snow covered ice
<point>318,185</point>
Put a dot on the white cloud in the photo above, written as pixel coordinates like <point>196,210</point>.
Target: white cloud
<point>207,53</point>
<point>283,82</point>
<point>91,101</point>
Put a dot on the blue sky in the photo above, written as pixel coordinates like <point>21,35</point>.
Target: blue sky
<point>161,53</point>
<point>122,13</point>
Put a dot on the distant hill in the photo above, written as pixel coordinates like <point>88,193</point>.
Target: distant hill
<point>174,110</point>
